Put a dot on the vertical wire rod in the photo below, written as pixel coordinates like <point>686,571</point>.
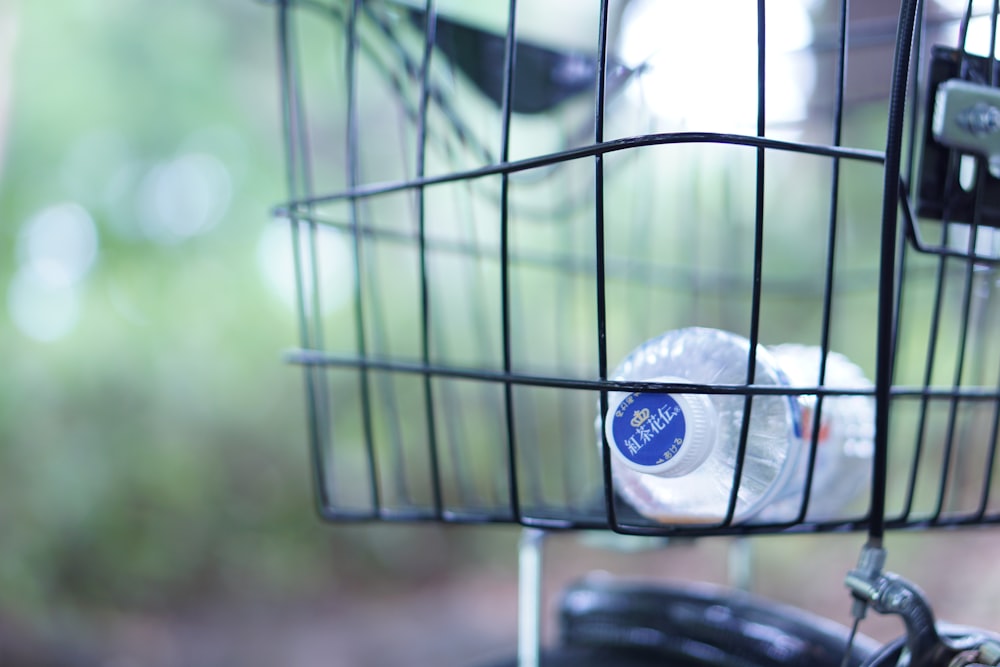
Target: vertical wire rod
<point>887,266</point>
<point>510,52</point>
<point>758,263</point>
<point>599,259</point>
<point>354,176</point>
<point>430,27</point>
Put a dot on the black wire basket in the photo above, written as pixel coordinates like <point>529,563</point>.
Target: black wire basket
<point>492,204</point>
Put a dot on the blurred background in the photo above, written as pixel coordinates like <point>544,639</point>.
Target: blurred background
<point>155,505</point>
<point>155,499</point>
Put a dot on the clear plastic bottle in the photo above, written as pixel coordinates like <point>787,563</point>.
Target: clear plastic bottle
<point>674,454</point>
<point>845,444</point>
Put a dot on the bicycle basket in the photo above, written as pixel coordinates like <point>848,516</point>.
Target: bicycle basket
<point>491,204</point>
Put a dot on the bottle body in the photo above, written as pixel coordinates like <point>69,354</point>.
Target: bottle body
<point>845,440</point>
<point>675,453</point>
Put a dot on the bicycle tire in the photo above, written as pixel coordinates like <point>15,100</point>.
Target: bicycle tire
<point>609,622</point>
<point>704,625</point>
<point>596,656</point>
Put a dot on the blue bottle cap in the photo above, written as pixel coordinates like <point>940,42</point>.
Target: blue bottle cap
<point>661,434</point>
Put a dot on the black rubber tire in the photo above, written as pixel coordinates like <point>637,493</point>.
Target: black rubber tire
<point>608,623</point>
<point>699,624</point>
<point>596,656</point>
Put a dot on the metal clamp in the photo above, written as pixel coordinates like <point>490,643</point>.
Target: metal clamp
<point>888,593</point>
<point>967,117</point>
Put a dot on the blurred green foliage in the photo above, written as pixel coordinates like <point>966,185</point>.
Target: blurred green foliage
<point>151,448</point>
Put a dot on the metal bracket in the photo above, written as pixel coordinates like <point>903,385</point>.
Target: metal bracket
<point>961,132</point>
<point>967,117</point>
<point>888,593</point>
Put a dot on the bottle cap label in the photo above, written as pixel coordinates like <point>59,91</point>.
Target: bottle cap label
<point>648,429</point>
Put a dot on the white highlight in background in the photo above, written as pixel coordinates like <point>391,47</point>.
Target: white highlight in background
<point>980,27</point>
<point>59,244</point>
<point>184,197</point>
<point>699,61</point>
<point>334,257</point>
<point>56,249</point>
<point>40,310</point>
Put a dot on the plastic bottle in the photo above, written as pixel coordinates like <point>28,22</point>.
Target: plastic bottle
<point>674,454</point>
<point>845,444</point>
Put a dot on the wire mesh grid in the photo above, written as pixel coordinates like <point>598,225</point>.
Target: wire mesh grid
<point>491,205</point>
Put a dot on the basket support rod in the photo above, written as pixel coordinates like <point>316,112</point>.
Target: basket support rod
<point>529,596</point>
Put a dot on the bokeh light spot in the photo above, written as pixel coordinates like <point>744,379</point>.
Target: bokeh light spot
<point>698,61</point>
<point>333,254</point>
<point>59,245</point>
<point>39,309</point>
<point>183,197</point>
